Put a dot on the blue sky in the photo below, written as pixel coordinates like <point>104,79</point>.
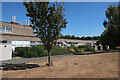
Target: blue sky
<point>84,18</point>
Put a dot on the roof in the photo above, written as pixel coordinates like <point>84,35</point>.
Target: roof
<point>21,32</point>
<point>78,41</point>
<point>18,29</point>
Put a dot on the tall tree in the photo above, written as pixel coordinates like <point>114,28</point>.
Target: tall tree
<point>47,21</point>
<point>112,24</point>
<point>105,37</point>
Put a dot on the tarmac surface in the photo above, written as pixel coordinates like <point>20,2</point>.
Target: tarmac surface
<point>24,60</point>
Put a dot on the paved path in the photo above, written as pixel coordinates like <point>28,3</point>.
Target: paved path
<point>24,60</point>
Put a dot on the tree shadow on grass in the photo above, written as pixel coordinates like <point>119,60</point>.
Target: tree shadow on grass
<point>22,66</point>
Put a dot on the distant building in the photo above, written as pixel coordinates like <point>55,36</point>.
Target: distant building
<point>73,42</point>
<point>23,36</point>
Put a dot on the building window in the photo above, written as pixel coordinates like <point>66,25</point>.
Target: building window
<point>17,42</point>
<point>37,42</point>
<point>13,42</point>
<point>8,41</point>
<point>58,42</point>
<point>70,42</point>
<point>32,42</point>
<point>75,43</point>
<point>5,41</point>
<point>27,42</point>
<point>8,29</point>
<point>24,42</point>
<point>21,42</point>
<point>2,29</point>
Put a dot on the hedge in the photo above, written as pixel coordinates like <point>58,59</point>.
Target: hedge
<point>38,51</point>
<point>21,51</point>
<point>87,48</point>
<point>81,49</point>
<point>57,50</point>
<point>32,54</point>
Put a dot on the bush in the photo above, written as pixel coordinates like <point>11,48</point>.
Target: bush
<point>73,47</point>
<point>76,49</point>
<point>71,50</point>
<point>81,50</point>
<point>87,48</point>
<point>38,49</point>
<point>35,51</point>
<point>57,50</point>
<point>32,54</point>
<point>21,51</point>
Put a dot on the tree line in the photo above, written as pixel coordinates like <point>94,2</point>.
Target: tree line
<point>79,38</point>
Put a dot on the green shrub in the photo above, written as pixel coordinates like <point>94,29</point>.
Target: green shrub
<point>87,48</point>
<point>76,63</point>
<point>81,50</point>
<point>21,51</point>
<point>39,49</point>
<point>57,50</point>
<point>32,54</point>
<point>35,51</point>
<point>76,49</point>
<point>73,47</point>
<point>71,50</point>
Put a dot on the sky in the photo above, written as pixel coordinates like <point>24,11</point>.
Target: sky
<point>84,18</point>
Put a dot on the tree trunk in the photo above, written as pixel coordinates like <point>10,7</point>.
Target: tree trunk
<point>49,58</point>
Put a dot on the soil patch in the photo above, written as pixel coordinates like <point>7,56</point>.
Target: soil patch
<point>22,66</point>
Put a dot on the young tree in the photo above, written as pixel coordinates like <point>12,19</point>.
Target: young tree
<point>47,21</point>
